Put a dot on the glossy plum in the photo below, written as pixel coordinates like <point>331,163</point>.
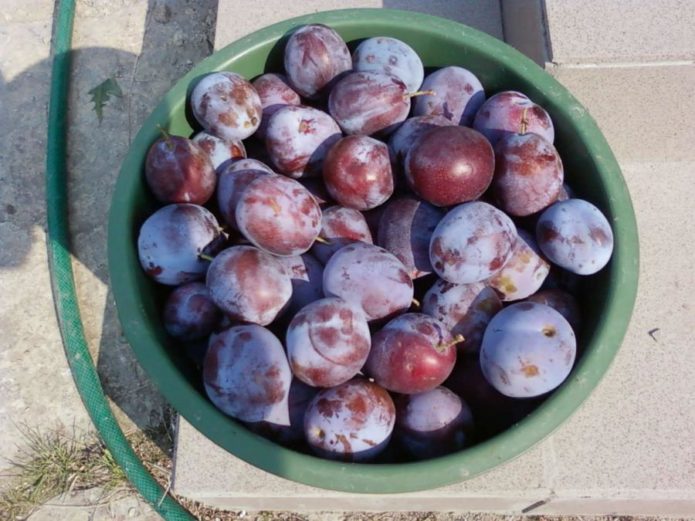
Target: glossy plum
<point>177,170</point>
<point>171,240</point>
<point>248,284</point>
<point>226,105</point>
<point>278,215</point>
<point>190,313</point>
<point>274,92</point>
<point>369,277</point>
<point>246,375</point>
<point>298,138</point>
<point>306,274</point>
<point>413,353</point>
<point>231,184</point>
<point>561,301</point>
<point>528,350</point>
<point>457,94</point>
<point>357,172</point>
<point>471,243</point>
<point>528,174</point>
<point>390,56</point>
<point>511,112</point>
<point>576,236</point>
<point>450,165</point>
<point>463,309</point>
<point>219,151</point>
<point>432,424</point>
<point>340,226</point>
<point>328,342</point>
<point>369,103</point>
<point>315,55</point>
<point>524,273</point>
<point>406,228</point>
<point>350,422</point>
<point>405,136</point>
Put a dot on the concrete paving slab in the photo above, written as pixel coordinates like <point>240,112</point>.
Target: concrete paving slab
<point>605,31</point>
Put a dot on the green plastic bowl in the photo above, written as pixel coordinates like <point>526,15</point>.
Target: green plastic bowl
<point>590,167</point>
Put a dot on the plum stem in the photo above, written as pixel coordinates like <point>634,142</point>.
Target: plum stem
<point>323,241</point>
<point>167,137</point>
<point>419,93</point>
<point>205,256</point>
<point>524,121</point>
<point>416,303</point>
<point>446,345</point>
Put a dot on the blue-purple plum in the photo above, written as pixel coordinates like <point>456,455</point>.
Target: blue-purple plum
<point>350,422</point>
<point>219,151</point>
<point>340,226</point>
<point>512,112</point>
<point>190,313</point>
<point>528,350</point>
<point>172,239</point>
<point>306,274</point>
<point>275,93</point>
<point>457,94</point>
<point>562,302</point>
<point>232,182</point>
<point>576,236</point>
<point>389,56</point>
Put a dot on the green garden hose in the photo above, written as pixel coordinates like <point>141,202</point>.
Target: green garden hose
<point>63,284</point>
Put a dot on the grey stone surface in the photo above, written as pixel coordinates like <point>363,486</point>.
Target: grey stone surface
<point>525,28</point>
<point>605,31</point>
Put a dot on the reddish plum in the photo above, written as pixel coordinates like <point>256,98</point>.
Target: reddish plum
<point>226,105</point>
<point>328,342</point>
<point>219,151</point>
<point>457,94</point>
<point>274,92</point>
<point>171,240</point>
<point>246,375</point>
<point>471,243</point>
<point>528,350</point>
<point>298,138</point>
<point>357,172</point>
<point>177,170</point>
<point>369,277</point>
<point>413,353</point>
<point>231,184</point>
<point>390,56</point>
<point>512,112</point>
<point>576,236</point>
<point>306,274</point>
<point>350,422</point>
<point>340,226</point>
<point>249,164</point>
<point>248,284</point>
<point>190,313</point>
<point>404,138</point>
<point>450,165</point>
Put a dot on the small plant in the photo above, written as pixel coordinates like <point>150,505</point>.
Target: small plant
<point>102,93</point>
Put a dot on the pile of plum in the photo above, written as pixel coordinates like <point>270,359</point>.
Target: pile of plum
<point>394,257</point>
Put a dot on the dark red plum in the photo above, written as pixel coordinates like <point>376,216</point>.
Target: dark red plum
<point>315,55</point>
<point>369,277</point>
<point>171,240</point>
<point>350,422</point>
<point>246,375</point>
<point>524,273</point>
<point>562,302</point>
<point>528,174</point>
<point>432,424</point>
<point>226,105</point>
<point>405,229</point>
<point>306,274</point>
<point>457,94</point>
<point>340,226</point>
<point>328,342</point>
<point>512,112</point>
<point>404,138</point>
<point>179,171</point>
<point>298,138</point>
<point>390,56</point>
<point>219,151</point>
<point>471,243</point>
<point>248,284</point>
<point>278,215</point>
<point>450,165</point>
<point>576,236</point>
<point>231,184</point>
<point>357,172</point>
<point>413,353</point>
<point>369,103</point>
<point>190,313</point>
<point>528,350</point>
<point>463,309</point>
<point>274,92</point>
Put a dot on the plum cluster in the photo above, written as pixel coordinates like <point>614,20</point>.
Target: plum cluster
<point>364,261</point>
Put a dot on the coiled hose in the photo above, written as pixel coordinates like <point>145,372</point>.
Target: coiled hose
<point>63,284</point>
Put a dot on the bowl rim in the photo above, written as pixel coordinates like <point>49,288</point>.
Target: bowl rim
<point>378,478</point>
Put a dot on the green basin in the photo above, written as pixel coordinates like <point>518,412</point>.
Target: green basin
<point>607,298</point>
